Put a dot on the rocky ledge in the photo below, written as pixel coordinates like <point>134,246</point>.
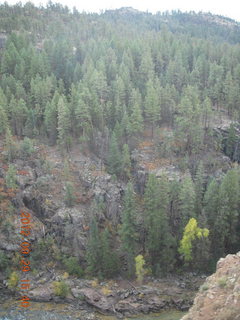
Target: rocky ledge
<point>121,297</point>
<point>219,297</point>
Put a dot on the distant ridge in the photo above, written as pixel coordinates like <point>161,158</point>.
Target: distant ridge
<point>126,10</point>
<point>207,16</point>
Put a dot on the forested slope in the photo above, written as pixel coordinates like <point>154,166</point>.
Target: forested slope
<point>133,93</point>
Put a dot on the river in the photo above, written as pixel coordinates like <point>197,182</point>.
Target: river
<point>9,310</point>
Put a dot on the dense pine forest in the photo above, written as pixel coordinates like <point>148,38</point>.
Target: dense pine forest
<point>110,85</point>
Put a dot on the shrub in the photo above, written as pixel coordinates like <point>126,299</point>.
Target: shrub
<point>204,287</point>
<point>13,280</point>
<point>73,267</point>
<point>4,261</point>
<point>222,282</point>
<point>42,249</point>
<point>106,291</point>
<point>60,288</point>
<point>95,283</point>
<point>43,183</point>
<point>26,148</point>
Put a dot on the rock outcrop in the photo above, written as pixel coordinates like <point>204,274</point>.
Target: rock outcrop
<point>219,296</point>
<point>112,298</point>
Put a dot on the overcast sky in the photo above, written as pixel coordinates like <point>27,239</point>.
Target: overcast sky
<point>230,8</point>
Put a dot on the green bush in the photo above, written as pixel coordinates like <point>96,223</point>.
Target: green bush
<point>42,249</point>
<point>73,267</point>
<point>60,288</point>
<point>13,280</point>
<point>204,287</point>
<point>26,148</point>
<point>4,261</point>
<point>222,282</point>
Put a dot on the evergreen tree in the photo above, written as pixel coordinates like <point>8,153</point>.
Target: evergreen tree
<point>18,111</point>
<point>159,241</point>
<point>199,188</point>
<point>146,70</point>
<point>3,120</point>
<point>94,254</point>
<point>187,199</point>
<point>189,128</point>
<point>206,113</point>
<point>211,203</point>
<point>81,113</point>
<point>64,125</point>
<point>69,196</point>
<point>128,230</point>
<point>114,157</point>
<point>11,177</point>
<point>50,118</point>
<point>136,118</point>
<point>231,141</point>
<point>227,220</point>
<point>126,162</point>
<point>10,146</point>
<point>152,105</point>
<point>26,148</point>
<point>109,259</point>
<point>126,126</point>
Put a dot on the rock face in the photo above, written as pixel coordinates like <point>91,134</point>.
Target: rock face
<point>219,296</point>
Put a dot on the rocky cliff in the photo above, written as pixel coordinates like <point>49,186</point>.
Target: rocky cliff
<point>219,296</point>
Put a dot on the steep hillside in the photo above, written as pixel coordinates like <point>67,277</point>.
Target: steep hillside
<point>120,137</point>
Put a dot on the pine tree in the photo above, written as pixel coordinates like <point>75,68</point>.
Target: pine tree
<point>231,141</point>
<point>146,70</point>
<point>189,129</point>
<point>159,242</point>
<point>114,157</point>
<point>125,126</point>
<point>126,162</point>
<point>109,259</point>
<point>211,203</point>
<point>18,111</point>
<point>128,230</point>
<point>82,117</point>
<point>3,120</point>
<point>206,113</point>
<point>50,119</point>
<point>199,188</point>
<point>152,105</point>
<point>64,125</point>
<point>229,203</point>
<point>167,103</point>
<point>69,196</point>
<point>94,250</point>
<point>10,145</point>
<point>187,199</point>
<point>30,128</point>
<point>136,118</point>
<point>11,177</point>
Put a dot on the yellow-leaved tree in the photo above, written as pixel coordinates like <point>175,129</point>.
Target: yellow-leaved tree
<point>140,271</point>
<point>191,233</point>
